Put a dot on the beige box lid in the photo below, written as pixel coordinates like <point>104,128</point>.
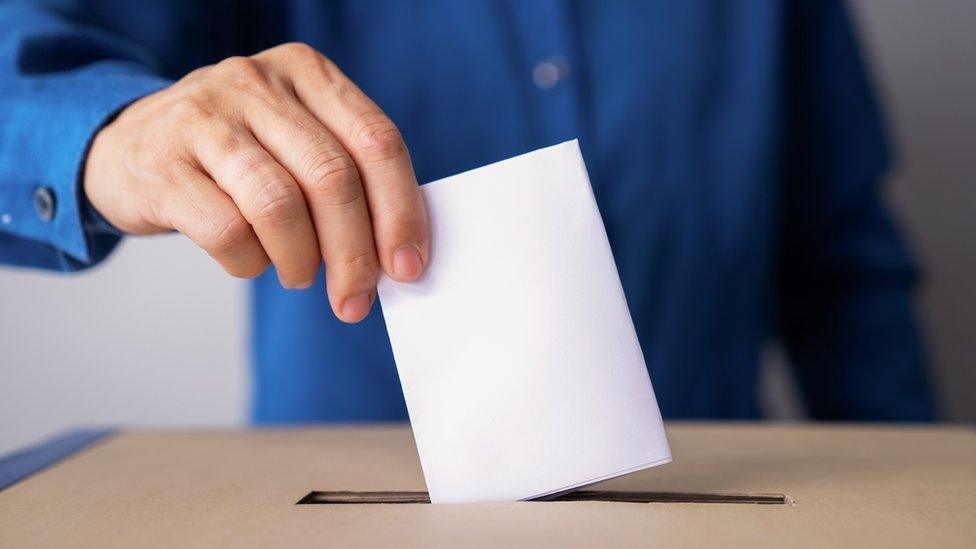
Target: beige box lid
<point>849,486</point>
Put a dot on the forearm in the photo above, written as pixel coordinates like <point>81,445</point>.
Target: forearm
<point>856,347</point>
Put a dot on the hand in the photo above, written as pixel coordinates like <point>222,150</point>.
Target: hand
<point>275,158</point>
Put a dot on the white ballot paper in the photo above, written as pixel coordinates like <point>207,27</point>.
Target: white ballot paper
<point>518,358</point>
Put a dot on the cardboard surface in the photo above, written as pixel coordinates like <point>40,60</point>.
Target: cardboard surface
<point>851,486</point>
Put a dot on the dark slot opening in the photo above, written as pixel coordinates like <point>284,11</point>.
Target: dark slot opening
<point>344,497</point>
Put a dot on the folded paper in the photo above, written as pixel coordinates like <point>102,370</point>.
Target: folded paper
<point>518,358</point>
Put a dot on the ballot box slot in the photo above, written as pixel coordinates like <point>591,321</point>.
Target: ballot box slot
<point>360,498</point>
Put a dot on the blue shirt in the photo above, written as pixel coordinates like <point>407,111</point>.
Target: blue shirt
<point>734,148</point>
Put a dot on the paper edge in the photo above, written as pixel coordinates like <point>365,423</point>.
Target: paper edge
<point>574,487</point>
<point>440,182</point>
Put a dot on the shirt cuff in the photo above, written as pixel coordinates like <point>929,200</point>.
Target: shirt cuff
<point>55,131</point>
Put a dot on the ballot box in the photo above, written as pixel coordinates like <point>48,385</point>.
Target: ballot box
<point>745,485</point>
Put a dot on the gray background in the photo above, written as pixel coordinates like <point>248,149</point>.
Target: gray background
<point>157,336</point>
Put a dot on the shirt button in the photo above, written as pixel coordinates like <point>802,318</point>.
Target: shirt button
<point>44,203</point>
<point>550,71</point>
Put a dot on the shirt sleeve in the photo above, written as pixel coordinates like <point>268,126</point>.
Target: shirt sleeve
<point>60,81</point>
<point>845,277</point>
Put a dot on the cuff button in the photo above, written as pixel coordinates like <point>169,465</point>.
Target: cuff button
<point>44,203</point>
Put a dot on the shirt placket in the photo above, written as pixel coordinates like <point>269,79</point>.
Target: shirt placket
<point>550,68</point>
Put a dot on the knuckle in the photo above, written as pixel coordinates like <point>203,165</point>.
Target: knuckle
<point>247,75</point>
<point>359,265</point>
<point>307,62</point>
<point>192,109</point>
<point>378,139</point>
<point>298,49</point>
<point>276,202</point>
<point>332,176</point>
<point>402,206</point>
<point>228,236</point>
<point>243,161</point>
<point>240,67</point>
<point>229,143</point>
<point>271,198</point>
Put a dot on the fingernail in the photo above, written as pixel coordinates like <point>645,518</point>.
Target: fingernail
<point>355,308</point>
<point>407,264</point>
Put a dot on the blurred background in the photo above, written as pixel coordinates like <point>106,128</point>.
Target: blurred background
<point>158,334</point>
